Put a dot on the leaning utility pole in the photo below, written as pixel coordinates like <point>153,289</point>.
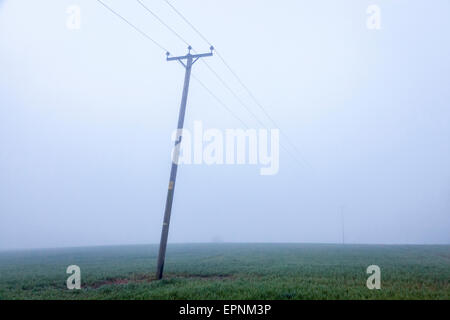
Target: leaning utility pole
<point>190,60</point>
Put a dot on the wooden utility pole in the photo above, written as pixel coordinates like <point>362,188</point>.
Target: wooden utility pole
<point>190,60</point>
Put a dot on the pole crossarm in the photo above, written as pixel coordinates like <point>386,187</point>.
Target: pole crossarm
<point>193,57</point>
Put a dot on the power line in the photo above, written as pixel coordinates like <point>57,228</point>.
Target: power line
<point>133,26</point>
<point>160,46</point>
<point>252,96</point>
<point>187,21</point>
<point>233,93</point>
<point>198,80</point>
<point>162,22</point>
<point>209,67</point>
<point>246,88</point>
<point>235,116</point>
<point>220,101</point>
<point>250,111</point>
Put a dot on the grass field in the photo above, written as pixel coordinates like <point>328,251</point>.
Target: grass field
<point>229,271</point>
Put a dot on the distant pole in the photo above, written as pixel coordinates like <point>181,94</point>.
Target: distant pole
<point>190,60</point>
<point>343,225</point>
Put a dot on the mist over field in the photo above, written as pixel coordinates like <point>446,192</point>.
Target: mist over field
<point>86,118</point>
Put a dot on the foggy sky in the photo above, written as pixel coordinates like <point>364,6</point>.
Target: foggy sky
<point>86,119</point>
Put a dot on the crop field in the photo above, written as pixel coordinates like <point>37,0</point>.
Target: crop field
<point>229,271</point>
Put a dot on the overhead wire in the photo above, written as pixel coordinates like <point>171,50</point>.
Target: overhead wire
<point>162,22</point>
<point>196,78</point>
<point>220,101</point>
<point>187,21</point>
<point>209,67</point>
<point>246,88</point>
<point>133,26</point>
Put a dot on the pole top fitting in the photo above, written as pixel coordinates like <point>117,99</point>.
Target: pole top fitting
<point>189,48</point>
<point>211,48</point>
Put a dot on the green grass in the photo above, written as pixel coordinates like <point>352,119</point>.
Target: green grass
<point>229,271</point>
